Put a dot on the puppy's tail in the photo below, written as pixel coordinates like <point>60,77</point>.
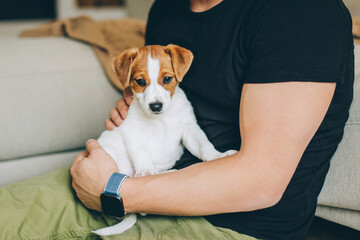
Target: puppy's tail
<point>121,227</point>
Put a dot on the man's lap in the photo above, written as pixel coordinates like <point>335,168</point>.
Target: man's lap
<point>46,207</point>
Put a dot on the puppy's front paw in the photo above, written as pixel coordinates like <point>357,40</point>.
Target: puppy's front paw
<point>145,172</point>
<point>228,153</point>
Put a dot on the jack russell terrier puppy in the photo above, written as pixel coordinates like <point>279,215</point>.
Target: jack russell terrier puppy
<point>160,121</point>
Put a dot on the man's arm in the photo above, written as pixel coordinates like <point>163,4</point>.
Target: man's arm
<point>277,122</point>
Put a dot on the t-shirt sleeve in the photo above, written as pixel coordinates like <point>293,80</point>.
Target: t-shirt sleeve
<point>299,41</point>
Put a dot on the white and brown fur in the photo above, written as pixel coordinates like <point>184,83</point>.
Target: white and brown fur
<point>149,142</point>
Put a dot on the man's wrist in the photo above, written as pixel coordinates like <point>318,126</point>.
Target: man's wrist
<point>126,192</point>
<point>121,184</point>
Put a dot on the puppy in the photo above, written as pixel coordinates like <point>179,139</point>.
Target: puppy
<point>160,121</point>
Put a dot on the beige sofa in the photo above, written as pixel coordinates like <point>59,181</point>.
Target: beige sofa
<point>54,96</point>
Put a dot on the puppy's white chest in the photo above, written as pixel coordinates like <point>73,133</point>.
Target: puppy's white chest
<point>153,144</point>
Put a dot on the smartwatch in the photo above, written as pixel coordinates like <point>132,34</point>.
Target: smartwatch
<point>111,201</point>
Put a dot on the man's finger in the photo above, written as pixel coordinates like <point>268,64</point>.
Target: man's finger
<point>115,116</point>
<point>128,95</point>
<point>110,125</point>
<point>123,109</point>
<point>74,185</point>
<point>91,145</point>
<point>80,157</point>
<point>77,187</point>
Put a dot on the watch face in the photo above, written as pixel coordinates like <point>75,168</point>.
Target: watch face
<point>112,205</point>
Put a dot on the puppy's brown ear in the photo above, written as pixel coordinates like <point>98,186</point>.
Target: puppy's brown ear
<point>122,65</point>
<point>181,60</point>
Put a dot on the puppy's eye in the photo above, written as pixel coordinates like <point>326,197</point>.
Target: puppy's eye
<point>167,80</point>
<point>140,82</point>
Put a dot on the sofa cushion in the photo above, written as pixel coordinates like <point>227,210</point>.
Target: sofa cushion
<point>23,168</point>
<point>346,217</point>
<point>54,95</point>
<point>342,183</point>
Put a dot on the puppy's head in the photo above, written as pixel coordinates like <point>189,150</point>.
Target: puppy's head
<point>153,72</point>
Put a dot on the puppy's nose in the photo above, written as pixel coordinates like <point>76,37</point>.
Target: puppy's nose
<point>156,107</point>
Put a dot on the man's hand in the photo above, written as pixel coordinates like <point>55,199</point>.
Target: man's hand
<point>118,114</point>
<point>90,171</point>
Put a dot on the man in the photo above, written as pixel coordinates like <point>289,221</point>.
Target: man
<point>288,67</point>
<point>270,78</point>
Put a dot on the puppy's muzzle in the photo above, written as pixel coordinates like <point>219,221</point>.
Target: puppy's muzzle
<point>156,107</point>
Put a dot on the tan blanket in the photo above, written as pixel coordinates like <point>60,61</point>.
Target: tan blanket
<point>356,29</point>
<point>108,38</point>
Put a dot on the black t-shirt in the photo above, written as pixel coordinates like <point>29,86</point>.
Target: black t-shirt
<point>263,41</point>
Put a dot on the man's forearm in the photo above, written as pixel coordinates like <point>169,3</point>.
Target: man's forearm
<point>230,184</point>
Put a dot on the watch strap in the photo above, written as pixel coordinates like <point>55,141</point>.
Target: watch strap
<point>115,183</point>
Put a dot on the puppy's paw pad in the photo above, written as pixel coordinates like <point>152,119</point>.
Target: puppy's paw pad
<point>228,153</point>
<point>145,172</point>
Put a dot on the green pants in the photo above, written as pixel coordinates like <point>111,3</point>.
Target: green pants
<point>46,207</point>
